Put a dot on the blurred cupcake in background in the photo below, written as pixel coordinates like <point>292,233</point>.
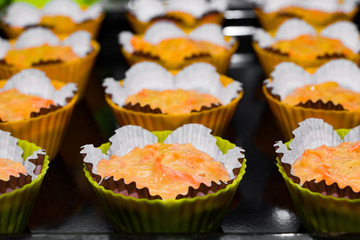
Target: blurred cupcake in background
<point>37,109</point>
<point>186,14</point>
<point>67,59</point>
<point>23,166</point>
<point>168,45</point>
<point>156,99</point>
<point>63,17</point>
<point>331,93</point>
<point>193,192</point>
<point>318,13</point>
<point>296,41</point>
<point>320,167</point>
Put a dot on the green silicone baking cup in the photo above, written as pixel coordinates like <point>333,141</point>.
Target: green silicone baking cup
<point>320,213</point>
<point>16,206</point>
<point>198,214</point>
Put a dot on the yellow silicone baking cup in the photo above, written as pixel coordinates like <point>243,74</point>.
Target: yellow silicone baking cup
<point>92,26</point>
<point>216,119</point>
<point>288,116</point>
<point>16,206</point>
<point>197,214</point>
<point>47,130</point>
<point>77,71</point>
<point>221,61</point>
<point>271,21</point>
<point>140,27</point>
<point>268,60</point>
<point>320,213</point>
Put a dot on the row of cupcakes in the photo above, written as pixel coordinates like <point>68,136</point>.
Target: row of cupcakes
<point>117,202</point>
<point>305,200</point>
<point>156,78</point>
<point>307,87</point>
<point>70,58</point>
<point>123,198</point>
<point>210,199</point>
<point>324,204</point>
<point>37,104</point>
<point>175,81</point>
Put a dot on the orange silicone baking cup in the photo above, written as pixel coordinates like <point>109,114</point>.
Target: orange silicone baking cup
<point>140,27</point>
<point>288,116</point>
<point>268,60</point>
<point>221,61</point>
<point>217,118</point>
<point>271,21</point>
<point>77,71</point>
<point>92,26</point>
<point>47,130</point>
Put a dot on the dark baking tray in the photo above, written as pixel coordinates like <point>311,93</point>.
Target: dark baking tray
<point>67,207</point>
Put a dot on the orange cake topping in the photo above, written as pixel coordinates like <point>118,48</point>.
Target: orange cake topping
<point>328,91</point>
<point>340,164</point>
<point>27,57</point>
<point>165,169</point>
<point>173,101</point>
<point>310,47</point>
<point>10,168</point>
<point>15,105</point>
<point>176,49</point>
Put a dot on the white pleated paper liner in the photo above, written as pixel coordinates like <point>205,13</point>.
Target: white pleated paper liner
<point>146,10</point>
<point>23,14</point>
<point>201,77</point>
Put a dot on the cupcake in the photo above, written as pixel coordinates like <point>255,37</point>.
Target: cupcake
<point>167,44</point>
<point>331,93</point>
<point>181,200</point>
<point>186,14</point>
<point>63,17</point>
<point>319,13</point>
<point>320,169</point>
<point>156,99</point>
<point>37,109</point>
<point>298,42</point>
<point>23,167</point>
<point>67,59</point>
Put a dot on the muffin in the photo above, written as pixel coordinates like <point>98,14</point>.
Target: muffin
<point>63,17</point>
<point>331,93</point>
<point>298,42</point>
<point>156,99</point>
<point>319,13</point>
<point>51,103</point>
<point>168,45</point>
<point>67,59</point>
<point>23,167</point>
<point>327,199</point>
<point>133,207</point>
<point>186,14</point>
